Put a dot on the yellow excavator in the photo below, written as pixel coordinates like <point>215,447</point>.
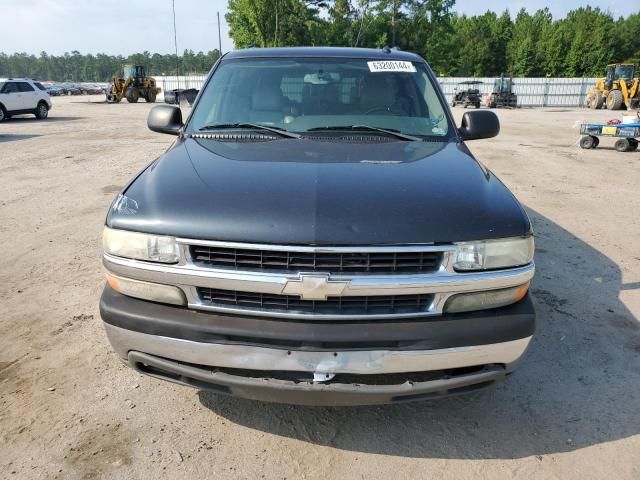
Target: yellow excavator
<point>619,89</point>
<point>133,85</point>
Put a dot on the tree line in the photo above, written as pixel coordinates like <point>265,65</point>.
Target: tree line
<point>75,67</point>
<point>530,44</point>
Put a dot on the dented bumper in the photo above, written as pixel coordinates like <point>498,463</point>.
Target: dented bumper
<point>303,363</point>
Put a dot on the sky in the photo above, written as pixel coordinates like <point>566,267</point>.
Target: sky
<point>558,8</point>
<point>125,27</point>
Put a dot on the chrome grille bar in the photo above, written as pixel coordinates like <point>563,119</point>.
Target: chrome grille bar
<point>190,275</point>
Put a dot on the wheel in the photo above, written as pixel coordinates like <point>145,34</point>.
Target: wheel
<point>594,99</point>
<point>132,95</point>
<point>42,111</point>
<point>615,100</point>
<point>623,145</point>
<point>596,142</point>
<point>3,114</point>
<point>633,144</point>
<point>598,100</point>
<point>150,97</point>
<point>586,142</point>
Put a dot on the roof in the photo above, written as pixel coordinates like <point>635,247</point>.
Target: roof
<point>325,52</point>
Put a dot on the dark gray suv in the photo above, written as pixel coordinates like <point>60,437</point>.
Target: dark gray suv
<point>319,233</point>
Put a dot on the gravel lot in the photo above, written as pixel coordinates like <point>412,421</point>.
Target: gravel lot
<point>70,409</point>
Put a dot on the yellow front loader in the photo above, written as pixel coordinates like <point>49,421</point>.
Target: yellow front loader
<point>133,85</point>
<point>619,89</point>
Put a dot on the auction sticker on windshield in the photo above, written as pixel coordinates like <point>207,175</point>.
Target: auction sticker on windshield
<point>391,66</point>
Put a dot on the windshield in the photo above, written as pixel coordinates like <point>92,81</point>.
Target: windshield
<point>625,72</point>
<point>129,71</point>
<point>301,95</point>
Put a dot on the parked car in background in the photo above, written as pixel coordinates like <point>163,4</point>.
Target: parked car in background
<point>72,89</point>
<point>55,90</point>
<point>91,89</point>
<point>20,96</point>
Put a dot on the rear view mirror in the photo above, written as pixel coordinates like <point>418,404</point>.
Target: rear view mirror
<point>479,124</point>
<point>165,119</point>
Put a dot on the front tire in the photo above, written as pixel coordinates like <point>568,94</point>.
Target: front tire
<point>587,142</point>
<point>3,114</point>
<point>132,95</point>
<point>594,100</point>
<point>615,100</point>
<point>42,111</point>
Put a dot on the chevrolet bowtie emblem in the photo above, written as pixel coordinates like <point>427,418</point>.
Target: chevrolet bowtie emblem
<point>314,287</point>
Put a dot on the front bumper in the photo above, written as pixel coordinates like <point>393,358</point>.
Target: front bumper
<point>319,363</point>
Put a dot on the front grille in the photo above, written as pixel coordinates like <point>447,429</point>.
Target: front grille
<point>331,262</point>
<point>365,305</point>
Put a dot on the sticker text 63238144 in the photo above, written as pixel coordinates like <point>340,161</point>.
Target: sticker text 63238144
<point>391,66</point>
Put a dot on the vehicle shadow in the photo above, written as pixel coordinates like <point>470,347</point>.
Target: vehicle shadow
<point>14,138</point>
<point>578,386</point>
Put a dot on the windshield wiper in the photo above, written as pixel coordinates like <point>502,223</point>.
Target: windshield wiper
<point>251,126</point>
<point>391,133</point>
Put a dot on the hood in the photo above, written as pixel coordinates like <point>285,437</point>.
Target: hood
<point>306,191</point>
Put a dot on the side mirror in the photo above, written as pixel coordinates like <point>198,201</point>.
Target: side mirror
<point>479,124</point>
<point>165,119</point>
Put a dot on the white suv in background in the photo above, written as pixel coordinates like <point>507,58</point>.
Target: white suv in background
<point>22,95</point>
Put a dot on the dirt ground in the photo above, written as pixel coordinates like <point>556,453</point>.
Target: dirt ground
<point>70,409</point>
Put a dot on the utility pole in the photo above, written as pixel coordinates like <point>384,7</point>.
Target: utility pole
<point>219,37</point>
<point>175,42</point>
<point>394,9</point>
<point>276,39</point>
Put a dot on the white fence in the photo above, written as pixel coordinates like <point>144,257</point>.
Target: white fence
<point>531,92</point>
<point>184,81</point>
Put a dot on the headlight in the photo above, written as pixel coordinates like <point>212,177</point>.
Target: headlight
<point>467,302</point>
<point>155,292</point>
<point>140,246</point>
<point>492,254</point>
